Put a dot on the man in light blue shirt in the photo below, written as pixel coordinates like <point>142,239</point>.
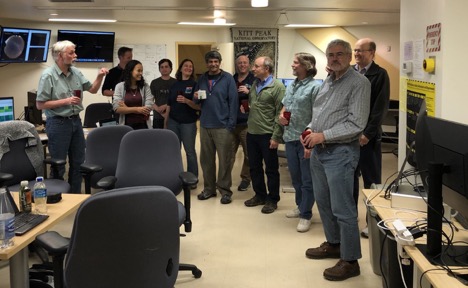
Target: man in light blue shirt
<point>339,116</point>
<point>60,94</point>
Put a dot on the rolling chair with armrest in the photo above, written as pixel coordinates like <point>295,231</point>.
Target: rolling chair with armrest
<point>125,237</point>
<point>102,150</point>
<point>22,156</point>
<point>153,157</point>
<point>95,112</point>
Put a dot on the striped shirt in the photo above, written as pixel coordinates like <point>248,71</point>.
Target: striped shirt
<point>341,108</point>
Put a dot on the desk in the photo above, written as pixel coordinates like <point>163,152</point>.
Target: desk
<point>18,254</point>
<point>438,278</point>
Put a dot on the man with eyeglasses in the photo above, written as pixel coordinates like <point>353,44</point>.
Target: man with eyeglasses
<point>370,162</point>
<point>340,114</point>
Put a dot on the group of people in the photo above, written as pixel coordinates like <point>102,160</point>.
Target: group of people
<point>331,130</point>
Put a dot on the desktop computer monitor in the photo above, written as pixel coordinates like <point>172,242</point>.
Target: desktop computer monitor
<point>7,109</point>
<point>442,161</point>
<point>31,113</point>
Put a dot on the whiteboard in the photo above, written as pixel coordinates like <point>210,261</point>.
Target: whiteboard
<point>149,55</point>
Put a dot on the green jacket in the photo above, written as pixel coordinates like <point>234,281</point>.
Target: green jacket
<point>264,110</point>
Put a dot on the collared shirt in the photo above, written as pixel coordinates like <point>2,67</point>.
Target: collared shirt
<point>262,84</point>
<point>357,68</point>
<point>54,85</point>
<point>299,100</point>
<point>341,108</point>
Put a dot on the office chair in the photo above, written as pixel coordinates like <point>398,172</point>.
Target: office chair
<point>125,237</point>
<point>153,157</point>
<point>102,150</point>
<point>95,112</point>
<point>22,158</point>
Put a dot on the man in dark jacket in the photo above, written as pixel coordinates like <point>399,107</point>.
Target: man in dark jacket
<point>219,105</point>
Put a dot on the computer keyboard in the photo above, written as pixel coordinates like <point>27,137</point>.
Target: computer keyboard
<point>27,221</point>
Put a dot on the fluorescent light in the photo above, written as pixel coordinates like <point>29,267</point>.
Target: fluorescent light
<point>219,21</point>
<point>217,13</point>
<point>308,25</point>
<point>206,24</point>
<point>259,3</point>
<point>81,20</point>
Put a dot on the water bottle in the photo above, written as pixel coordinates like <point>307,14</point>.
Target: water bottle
<point>25,197</point>
<point>7,220</point>
<point>40,196</point>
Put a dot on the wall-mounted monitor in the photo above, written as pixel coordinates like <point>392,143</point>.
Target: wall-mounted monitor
<point>23,45</point>
<point>91,46</point>
<point>7,109</point>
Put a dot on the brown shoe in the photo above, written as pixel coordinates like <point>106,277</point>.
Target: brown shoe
<point>324,251</point>
<point>342,271</point>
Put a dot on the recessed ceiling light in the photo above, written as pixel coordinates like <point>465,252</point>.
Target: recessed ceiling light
<point>219,21</point>
<point>308,26</point>
<point>218,13</point>
<point>259,3</point>
<point>205,24</point>
<point>80,20</point>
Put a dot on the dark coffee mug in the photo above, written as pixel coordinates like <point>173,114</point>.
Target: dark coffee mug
<point>77,93</point>
<point>245,104</point>
<point>287,116</point>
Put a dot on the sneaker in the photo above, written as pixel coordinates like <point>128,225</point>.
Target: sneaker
<point>342,271</point>
<point>293,213</point>
<point>365,233</point>
<point>226,199</point>
<point>303,225</point>
<point>269,207</point>
<point>243,186</point>
<point>204,196</point>
<point>324,251</point>
<point>254,201</point>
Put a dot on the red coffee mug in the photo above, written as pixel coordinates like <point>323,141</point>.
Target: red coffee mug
<point>304,134</point>
<point>77,93</point>
<point>245,104</point>
<point>287,116</point>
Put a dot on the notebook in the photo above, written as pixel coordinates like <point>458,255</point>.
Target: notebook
<point>24,221</point>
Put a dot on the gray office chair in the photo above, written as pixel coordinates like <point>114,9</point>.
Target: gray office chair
<point>102,150</point>
<point>22,158</point>
<point>153,157</point>
<point>95,112</point>
<point>125,237</point>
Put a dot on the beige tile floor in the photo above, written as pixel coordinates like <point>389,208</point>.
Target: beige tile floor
<point>236,246</point>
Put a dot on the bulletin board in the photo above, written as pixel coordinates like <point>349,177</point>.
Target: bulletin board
<point>149,55</point>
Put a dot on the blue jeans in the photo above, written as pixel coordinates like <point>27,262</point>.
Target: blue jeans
<point>187,133</point>
<point>333,169</point>
<point>301,178</point>
<point>66,138</point>
<point>258,147</point>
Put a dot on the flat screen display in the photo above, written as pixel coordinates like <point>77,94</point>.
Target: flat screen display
<point>23,45</point>
<point>7,109</point>
<point>91,46</point>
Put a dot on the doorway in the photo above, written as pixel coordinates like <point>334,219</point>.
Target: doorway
<point>195,52</point>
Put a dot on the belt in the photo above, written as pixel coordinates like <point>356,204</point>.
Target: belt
<point>66,117</point>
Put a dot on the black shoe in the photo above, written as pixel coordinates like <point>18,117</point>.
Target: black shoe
<point>243,186</point>
<point>254,201</point>
<point>269,207</point>
<point>204,196</point>
<point>226,199</point>
<point>193,187</point>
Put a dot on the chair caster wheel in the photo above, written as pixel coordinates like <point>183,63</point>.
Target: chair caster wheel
<point>197,273</point>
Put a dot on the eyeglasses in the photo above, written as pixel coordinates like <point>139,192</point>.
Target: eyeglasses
<point>337,54</point>
<point>360,51</point>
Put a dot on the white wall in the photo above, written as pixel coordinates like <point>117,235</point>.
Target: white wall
<point>17,79</point>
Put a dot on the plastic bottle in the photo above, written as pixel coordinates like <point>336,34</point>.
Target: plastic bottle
<point>7,220</point>
<point>40,196</point>
<point>25,197</point>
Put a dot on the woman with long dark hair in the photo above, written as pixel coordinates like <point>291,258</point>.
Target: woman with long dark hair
<point>132,97</point>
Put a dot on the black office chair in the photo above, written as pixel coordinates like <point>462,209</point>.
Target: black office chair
<point>153,157</point>
<point>22,158</point>
<point>125,237</point>
<point>95,112</point>
<point>102,150</point>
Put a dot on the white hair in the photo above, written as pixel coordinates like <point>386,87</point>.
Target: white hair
<point>61,46</point>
